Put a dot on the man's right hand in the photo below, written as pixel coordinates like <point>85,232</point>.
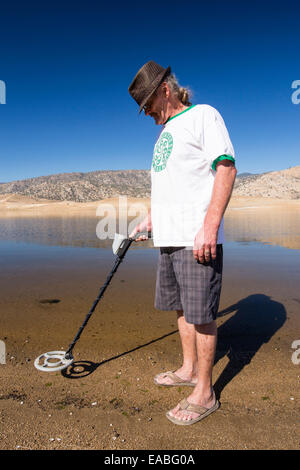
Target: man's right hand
<point>144,226</point>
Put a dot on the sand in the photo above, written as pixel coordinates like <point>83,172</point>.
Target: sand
<point>12,205</point>
<point>108,400</point>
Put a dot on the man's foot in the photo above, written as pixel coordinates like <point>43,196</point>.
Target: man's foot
<point>176,378</point>
<point>193,409</point>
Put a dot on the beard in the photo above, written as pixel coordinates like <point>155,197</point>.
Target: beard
<point>157,118</point>
<point>159,113</point>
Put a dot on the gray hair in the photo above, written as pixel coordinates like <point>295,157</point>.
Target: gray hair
<point>182,93</point>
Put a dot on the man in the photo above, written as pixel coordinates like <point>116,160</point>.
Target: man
<point>192,175</point>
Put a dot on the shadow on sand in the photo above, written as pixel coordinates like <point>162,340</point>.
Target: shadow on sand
<point>80,369</point>
<point>257,318</point>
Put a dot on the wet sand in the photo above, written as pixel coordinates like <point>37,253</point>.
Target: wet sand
<point>108,400</point>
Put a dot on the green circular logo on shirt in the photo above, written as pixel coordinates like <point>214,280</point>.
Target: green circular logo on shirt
<point>162,151</point>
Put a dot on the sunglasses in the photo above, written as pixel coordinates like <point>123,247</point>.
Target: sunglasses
<point>149,104</point>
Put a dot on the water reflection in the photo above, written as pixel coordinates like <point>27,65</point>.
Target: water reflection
<point>56,231</point>
<point>272,225</point>
<point>277,226</point>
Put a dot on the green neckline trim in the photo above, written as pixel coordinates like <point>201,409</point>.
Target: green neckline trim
<point>173,117</point>
<point>221,157</point>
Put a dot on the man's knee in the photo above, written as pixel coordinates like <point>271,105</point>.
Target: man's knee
<point>207,328</point>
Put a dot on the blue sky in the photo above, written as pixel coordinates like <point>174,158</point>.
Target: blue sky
<point>67,67</point>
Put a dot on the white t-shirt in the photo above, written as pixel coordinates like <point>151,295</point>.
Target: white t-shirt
<point>183,173</point>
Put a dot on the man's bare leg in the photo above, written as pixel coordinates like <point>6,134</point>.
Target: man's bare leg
<point>202,394</point>
<point>189,369</point>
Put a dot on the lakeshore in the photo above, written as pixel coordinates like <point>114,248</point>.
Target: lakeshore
<point>107,399</point>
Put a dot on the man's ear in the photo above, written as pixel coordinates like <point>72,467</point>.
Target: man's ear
<point>165,89</point>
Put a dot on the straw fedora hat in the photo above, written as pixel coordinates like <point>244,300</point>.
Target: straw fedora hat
<point>146,82</point>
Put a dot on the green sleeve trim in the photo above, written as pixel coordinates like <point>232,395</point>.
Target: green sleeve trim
<point>222,157</point>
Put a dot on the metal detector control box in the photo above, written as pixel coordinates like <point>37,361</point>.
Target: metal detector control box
<point>125,244</point>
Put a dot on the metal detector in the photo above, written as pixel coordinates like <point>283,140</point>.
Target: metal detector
<point>53,361</point>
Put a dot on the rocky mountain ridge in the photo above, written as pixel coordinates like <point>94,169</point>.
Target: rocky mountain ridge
<point>97,185</point>
<point>83,187</point>
<point>284,184</point>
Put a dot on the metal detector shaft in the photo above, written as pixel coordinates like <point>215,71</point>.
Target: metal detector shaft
<point>120,255</point>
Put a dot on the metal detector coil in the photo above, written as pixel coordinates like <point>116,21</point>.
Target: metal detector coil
<point>53,361</point>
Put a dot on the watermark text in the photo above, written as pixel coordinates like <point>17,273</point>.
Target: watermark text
<point>296,354</point>
<point>114,218</point>
<point>296,94</point>
<point>2,352</point>
<point>2,92</point>
<point>123,217</point>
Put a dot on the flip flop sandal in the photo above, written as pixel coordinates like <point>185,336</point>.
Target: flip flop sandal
<point>177,381</point>
<point>185,405</point>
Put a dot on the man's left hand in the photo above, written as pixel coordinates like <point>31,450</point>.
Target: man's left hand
<point>205,244</point>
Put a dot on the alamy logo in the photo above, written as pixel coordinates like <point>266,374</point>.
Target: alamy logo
<point>162,151</point>
<point>2,92</point>
<point>115,218</point>
<point>296,94</point>
<point>296,354</point>
<point>2,353</point>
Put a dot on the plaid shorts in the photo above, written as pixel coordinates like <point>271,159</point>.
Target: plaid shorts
<point>184,284</point>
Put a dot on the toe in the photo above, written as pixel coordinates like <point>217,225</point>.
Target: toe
<point>184,415</point>
<point>175,411</point>
<point>162,379</point>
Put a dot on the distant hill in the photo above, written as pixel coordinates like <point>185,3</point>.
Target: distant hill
<point>83,187</point>
<point>284,184</point>
<point>245,175</point>
<point>97,185</point>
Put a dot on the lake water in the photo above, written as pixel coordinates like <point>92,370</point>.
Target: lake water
<point>263,240</point>
<point>279,226</point>
<point>62,258</point>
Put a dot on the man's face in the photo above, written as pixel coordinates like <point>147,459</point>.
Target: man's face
<point>156,106</point>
